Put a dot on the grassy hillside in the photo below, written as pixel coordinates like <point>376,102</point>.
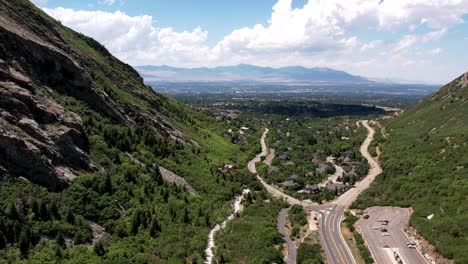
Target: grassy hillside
<point>122,211</point>
<point>425,166</point>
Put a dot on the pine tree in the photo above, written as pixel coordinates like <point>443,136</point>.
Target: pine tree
<point>3,240</point>
<point>70,217</point>
<point>58,251</point>
<point>43,212</point>
<point>107,188</point>
<point>154,227</point>
<point>54,211</point>
<point>24,241</point>
<point>186,216</point>
<point>166,195</point>
<point>11,211</point>
<point>99,249</point>
<point>60,239</point>
<point>35,207</point>
<point>136,222</point>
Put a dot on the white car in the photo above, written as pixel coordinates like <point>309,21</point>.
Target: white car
<point>411,246</point>
<point>385,234</point>
<point>375,228</point>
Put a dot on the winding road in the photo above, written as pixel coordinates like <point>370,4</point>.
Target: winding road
<point>331,214</point>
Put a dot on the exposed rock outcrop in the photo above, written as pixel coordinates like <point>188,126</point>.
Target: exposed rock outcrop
<point>39,140</point>
<point>40,59</point>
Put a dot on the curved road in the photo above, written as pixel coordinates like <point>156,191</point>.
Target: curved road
<point>331,214</point>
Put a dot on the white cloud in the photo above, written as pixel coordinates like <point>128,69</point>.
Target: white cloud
<point>408,41</point>
<point>322,33</point>
<point>434,35</point>
<point>435,51</point>
<point>110,2</point>
<point>371,45</point>
<point>107,2</point>
<point>405,42</point>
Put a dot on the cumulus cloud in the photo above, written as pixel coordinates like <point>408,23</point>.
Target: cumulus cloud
<point>321,33</point>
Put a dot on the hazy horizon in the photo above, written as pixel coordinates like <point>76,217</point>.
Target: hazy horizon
<point>420,41</point>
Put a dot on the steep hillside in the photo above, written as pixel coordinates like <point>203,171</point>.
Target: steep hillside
<point>425,166</point>
<point>40,58</point>
<point>81,142</point>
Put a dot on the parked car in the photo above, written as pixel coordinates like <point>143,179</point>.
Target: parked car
<point>366,217</point>
<point>385,234</point>
<point>411,246</point>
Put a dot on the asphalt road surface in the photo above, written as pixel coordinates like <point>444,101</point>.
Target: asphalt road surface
<point>333,243</point>
<point>292,252</point>
<point>383,247</point>
<point>258,158</point>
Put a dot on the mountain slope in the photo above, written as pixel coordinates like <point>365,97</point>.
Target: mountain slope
<point>39,57</point>
<point>81,142</point>
<point>245,72</point>
<point>425,165</point>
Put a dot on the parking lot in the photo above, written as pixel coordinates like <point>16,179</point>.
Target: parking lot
<point>386,241</point>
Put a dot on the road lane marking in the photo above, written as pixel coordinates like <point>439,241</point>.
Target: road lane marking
<point>333,240</point>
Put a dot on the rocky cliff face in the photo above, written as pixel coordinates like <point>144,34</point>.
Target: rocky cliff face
<point>39,139</point>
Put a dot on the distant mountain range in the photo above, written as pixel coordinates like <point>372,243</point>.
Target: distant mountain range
<point>246,78</point>
<point>251,73</point>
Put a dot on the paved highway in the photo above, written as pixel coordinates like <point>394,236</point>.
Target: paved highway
<point>333,243</point>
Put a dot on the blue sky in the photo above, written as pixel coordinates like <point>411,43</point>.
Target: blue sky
<point>218,17</point>
<point>399,39</point>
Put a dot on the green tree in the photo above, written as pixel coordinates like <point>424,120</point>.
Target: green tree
<point>107,185</point>
<point>154,227</point>
<point>24,242</point>
<point>3,240</point>
<point>60,239</point>
<point>43,212</point>
<point>99,249</point>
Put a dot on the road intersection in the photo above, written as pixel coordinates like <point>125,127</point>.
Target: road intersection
<point>331,214</point>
